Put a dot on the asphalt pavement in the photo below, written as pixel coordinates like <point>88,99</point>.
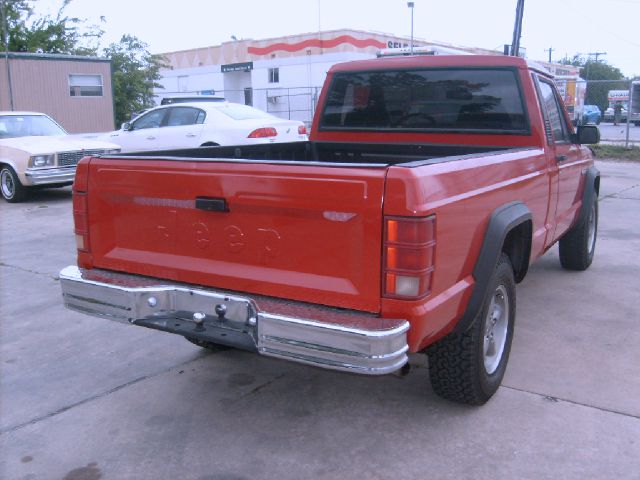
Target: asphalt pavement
<point>617,134</point>
<point>85,398</point>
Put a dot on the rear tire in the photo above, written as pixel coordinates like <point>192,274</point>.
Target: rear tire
<point>12,190</point>
<point>578,245</point>
<point>213,347</point>
<point>468,367</point>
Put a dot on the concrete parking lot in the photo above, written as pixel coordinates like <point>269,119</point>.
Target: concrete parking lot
<point>85,398</point>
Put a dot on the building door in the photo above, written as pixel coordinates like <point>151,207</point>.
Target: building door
<point>248,96</point>
<point>236,85</point>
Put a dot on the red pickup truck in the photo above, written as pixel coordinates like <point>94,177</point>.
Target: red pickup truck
<point>428,186</point>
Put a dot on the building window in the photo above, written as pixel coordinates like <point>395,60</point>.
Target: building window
<point>85,85</point>
<point>274,75</point>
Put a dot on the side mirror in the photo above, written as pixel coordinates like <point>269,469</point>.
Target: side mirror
<point>587,135</point>
<point>126,126</point>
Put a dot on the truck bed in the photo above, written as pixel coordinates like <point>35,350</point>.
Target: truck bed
<point>299,220</point>
<point>368,154</point>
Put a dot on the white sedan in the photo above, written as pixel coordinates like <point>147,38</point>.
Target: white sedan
<point>204,124</point>
<point>37,152</point>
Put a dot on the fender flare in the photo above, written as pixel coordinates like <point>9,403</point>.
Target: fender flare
<point>502,221</point>
<point>591,189</point>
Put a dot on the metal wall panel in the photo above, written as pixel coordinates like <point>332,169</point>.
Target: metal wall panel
<point>41,84</point>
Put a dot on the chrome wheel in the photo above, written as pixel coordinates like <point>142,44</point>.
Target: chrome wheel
<point>7,184</point>
<point>591,229</point>
<point>495,330</point>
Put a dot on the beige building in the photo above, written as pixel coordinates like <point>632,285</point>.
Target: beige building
<point>75,91</point>
<point>345,41</point>
<point>280,75</point>
<point>284,75</point>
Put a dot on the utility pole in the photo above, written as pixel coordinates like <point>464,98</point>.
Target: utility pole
<point>411,5</point>
<point>517,29</point>
<point>596,54</point>
<point>5,39</point>
<point>550,49</point>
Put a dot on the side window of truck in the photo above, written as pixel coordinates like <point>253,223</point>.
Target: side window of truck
<point>554,116</point>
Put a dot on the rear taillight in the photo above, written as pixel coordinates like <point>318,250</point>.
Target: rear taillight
<point>80,205</point>
<point>302,130</point>
<point>81,221</point>
<point>409,252</point>
<point>81,181</point>
<point>263,133</point>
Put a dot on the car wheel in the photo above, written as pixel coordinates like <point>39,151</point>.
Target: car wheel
<point>12,190</point>
<point>468,367</point>
<point>578,245</point>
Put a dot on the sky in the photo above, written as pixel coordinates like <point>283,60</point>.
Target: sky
<point>567,26</point>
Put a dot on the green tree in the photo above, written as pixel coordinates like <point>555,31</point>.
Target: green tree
<point>22,32</point>
<point>13,14</point>
<point>135,75</point>
<point>597,91</point>
<point>135,70</point>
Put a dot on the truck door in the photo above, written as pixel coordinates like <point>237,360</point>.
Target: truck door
<point>566,162</point>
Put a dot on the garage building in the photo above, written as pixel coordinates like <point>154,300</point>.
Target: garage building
<point>76,91</point>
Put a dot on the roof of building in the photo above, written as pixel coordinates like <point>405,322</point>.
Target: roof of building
<point>313,43</point>
<point>244,51</point>
<point>53,56</point>
<point>19,114</point>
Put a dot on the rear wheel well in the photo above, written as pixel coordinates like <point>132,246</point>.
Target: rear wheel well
<point>517,246</point>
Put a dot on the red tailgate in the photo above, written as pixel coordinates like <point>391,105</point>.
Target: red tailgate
<point>308,233</point>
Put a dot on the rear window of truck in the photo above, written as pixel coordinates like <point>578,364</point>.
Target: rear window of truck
<point>485,100</point>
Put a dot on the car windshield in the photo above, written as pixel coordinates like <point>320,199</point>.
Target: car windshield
<point>12,126</point>
<point>241,112</point>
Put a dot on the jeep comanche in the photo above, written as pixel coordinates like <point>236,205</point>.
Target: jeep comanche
<point>428,186</point>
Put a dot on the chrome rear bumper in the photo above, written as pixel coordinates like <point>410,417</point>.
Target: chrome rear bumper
<point>316,335</point>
